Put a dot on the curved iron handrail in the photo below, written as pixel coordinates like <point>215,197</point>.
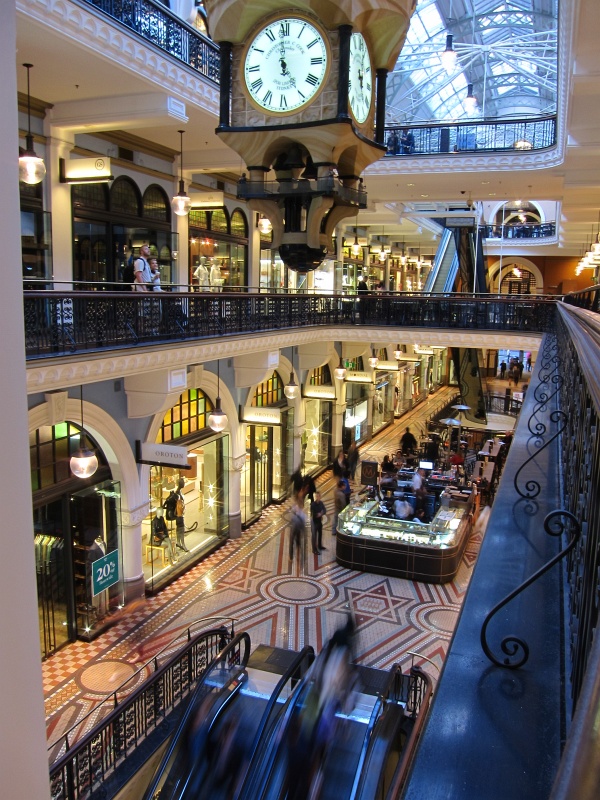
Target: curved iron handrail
<point>511,644</point>
<point>154,660</point>
<point>532,487</point>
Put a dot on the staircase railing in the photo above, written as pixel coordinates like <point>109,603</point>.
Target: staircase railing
<point>84,767</point>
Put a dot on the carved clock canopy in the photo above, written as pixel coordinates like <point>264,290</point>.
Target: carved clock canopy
<point>299,91</point>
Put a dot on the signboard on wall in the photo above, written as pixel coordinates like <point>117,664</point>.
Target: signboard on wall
<point>368,473</point>
<point>163,455</point>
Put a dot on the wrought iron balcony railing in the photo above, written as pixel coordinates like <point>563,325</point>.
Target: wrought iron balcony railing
<point>155,23</point>
<point>516,135</point>
<point>328,186</point>
<point>59,324</point>
<point>529,230</point>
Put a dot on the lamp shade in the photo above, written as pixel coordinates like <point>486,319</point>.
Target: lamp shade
<point>181,203</point>
<point>340,370</point>
<point>470,99</point>
<point>31,167</point>
<point>83,463</point>
<point>291,389</point>
<point>265,226</point>
<point>217,420</point>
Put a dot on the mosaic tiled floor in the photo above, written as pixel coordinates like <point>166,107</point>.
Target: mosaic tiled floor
<point>280,603</point>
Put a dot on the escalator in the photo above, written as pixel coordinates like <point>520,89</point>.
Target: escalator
<point>444,269</point>
<point>367,735</point>
<point>233,712</point>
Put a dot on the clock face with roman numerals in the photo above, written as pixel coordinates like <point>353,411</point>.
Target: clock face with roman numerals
<point>286,65</point>
<point>360,80</point>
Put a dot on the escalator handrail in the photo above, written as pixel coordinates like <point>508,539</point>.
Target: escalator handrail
<point>276,738</point>
<point>438,259</point>
<point>307,653</point>
<point>368,738</point>
<point>184,721</point>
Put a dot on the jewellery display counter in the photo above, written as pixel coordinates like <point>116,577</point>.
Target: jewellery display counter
<point>371,542</point>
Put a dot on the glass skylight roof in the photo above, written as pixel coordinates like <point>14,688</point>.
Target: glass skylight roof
<point>506,48</point>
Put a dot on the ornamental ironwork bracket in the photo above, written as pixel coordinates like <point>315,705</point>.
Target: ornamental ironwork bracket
<point>511,645</point>
<point>532,488</point>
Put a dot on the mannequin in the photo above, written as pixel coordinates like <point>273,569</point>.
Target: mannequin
<point>179,523</point>
<point>215,277</point>
<point>201,275</point>
<point>160,534</point>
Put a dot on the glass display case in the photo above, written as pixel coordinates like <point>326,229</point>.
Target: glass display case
<point>371,541</point>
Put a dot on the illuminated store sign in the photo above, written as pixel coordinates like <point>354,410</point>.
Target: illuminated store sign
<point>164,455</point>
<point>261,416</point>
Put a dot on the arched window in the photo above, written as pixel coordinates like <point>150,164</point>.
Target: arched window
<point>219,221</point>
<point>321,376</point>
<point>269,392</point>
<point>124,197</point>
<point>50,451</point>
<point>156,204</point>
<point>198,218</point>
<point>239,226</point>
<point>188,415</point>
<point>90,195</point>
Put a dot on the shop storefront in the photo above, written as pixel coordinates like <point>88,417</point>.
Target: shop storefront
<point>319,397</point>
<point>36,237</point>
<point>77,540</point>
<point>383,400</point>
<point>171,545</point>
<point>110,224</point>
<point>218,249</point>
<point>269,461</point>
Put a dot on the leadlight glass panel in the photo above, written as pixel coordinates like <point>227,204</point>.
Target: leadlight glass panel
<point>124,197</point>
<point>219,221</point>
<point>156,205</point>
<point>269,392</point>
<point>188,415</point>
<point>90,195</point>
<point>238,224</point>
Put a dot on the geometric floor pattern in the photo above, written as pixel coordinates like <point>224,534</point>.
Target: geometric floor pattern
<point>280,603</point>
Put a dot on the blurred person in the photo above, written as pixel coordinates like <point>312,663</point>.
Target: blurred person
<point>408,443</point>
<point>340,465</point>
<point>317,512</point>
<point>339,504</point>
<point>297,524</point>
<point>352,459</point>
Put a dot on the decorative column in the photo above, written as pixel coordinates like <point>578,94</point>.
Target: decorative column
<point>182,272</point>
<point>23,755</point>
<point>236,465</point>
<point>131,550</point>
<point>370,396</point>
<point>59,204</point>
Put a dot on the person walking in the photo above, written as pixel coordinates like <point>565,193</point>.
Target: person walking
<point>317,512</point>
<point>408,443</point>
<point>502,370</point>
<point>339,504</point>
<point>297,526</point>
<point>352,459</point>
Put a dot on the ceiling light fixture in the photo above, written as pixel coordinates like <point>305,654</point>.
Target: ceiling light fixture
<point>31,167</point>
<point>373,360</point>
<point>217,419</point>
<point>264,225</point>
<point>181,203</point>
<point>83,462</point>
<point>449,57</point>
<point>470,99</point>
<point>398,353</point>
<point>356,248</point>
<point>340,370</point>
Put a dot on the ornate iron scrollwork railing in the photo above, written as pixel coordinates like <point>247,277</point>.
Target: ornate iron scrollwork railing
<point>511,645</point>
<point>58,324</point>
<point>155,23</point>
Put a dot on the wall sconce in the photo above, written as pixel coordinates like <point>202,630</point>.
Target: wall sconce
<point>340,370</point>
<point>181,203</point>
<point>291,389</point>
<point>217,419</point>
<point>83,462</point>
<point>31,167</point>
<point>356,248</point>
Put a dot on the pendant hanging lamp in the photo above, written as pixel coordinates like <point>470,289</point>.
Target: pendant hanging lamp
<point>291,388</point>
<point>181,203</point>
<point>449,57</point>
<point>217,419</point>
<point>340,371</point>
<point>31,167</point>
<point>83,462</point>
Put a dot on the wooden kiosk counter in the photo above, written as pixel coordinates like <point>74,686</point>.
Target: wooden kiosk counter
<point>370,541</point>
